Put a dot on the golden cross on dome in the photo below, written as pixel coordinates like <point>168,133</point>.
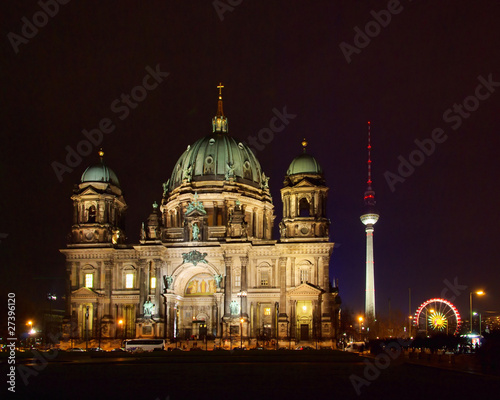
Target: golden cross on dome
<point>220,87</point>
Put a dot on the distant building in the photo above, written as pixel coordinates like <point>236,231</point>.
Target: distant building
<point>206,263</point>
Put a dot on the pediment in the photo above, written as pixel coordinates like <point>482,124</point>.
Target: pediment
<point>304,289</point>
<point>196,213</point>
<point>84,293</point>
<point>89,191</point>
<point>305,183</point>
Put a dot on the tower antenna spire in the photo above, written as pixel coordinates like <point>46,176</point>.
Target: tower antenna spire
<point>369,181</point>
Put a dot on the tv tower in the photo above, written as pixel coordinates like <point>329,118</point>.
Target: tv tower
<point>369,219</point>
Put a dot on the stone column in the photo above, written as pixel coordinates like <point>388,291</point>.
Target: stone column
<point>282,283</point>
<point>244,286</point>
<point>292,270</point>
<point>326,274</point>
<point>316,319</point>
<point>142,286</point>
<point>216,213</point>
<point>228,261</point>
<point>225,212</point>
<point>292,319</point>
<point>108,266</point>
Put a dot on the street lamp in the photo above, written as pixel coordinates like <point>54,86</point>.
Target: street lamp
<point>241,336</point>
<point>479,293</point>
<point>120,323</point>
<point>360,319</point>
<point>30,323</point>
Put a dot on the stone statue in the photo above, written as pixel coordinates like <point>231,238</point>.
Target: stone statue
<point>282,229</point>
<point>230,171</point>
<point>186,173</point>
<point>234,308</point>
<point>143,232</point>
<point>196,232</point>
<point>168,280</point>
<point>148,308</point>
<point>265,182</point>
<point>165,187</point>
<point>218,280</point>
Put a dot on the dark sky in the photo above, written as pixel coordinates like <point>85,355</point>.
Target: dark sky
<point>438,225</point>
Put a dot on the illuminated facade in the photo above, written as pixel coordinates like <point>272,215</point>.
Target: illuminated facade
<point>206,260</point>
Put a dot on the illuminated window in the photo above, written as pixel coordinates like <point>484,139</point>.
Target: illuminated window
<point>237,280</point>
<point>264,278</point>
<point>304,275</point>
<point>267,311</point>
<point>129,281</point>
<point>153,283</point>
<point>89,280</point>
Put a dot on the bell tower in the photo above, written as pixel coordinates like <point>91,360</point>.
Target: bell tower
<point>98,208</point>
<point>304,198</point>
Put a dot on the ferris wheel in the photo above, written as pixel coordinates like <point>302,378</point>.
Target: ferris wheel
<point>437,316</point>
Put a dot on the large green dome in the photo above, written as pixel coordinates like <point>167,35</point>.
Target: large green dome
<point>100,173</point>
<point>304,164</point>
<point>217,156</point>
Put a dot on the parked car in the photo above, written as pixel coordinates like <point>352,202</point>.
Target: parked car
<point>76,350</point>
<point>355,347</point>
<point>304,348</point>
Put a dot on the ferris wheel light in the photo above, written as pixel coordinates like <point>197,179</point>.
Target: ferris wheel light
<point>438,315</point>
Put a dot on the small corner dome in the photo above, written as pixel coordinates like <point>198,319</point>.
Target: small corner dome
<point>100,173</point>
<point>304,164</point>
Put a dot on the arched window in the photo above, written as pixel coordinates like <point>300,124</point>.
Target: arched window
<point>264,278</point>
<point>91,214</point>
<point>129,277</point>
<point>304,274</point>
<point>88,274</point>
<point>304,208</point>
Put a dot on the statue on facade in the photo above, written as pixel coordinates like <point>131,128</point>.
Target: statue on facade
<point>186,173</point>
<point>143,232</point>
<point>167,281</point>
<point>264,182</point>
<point>282,227</point>
<point>148,308</point>
<point>165,188</point>
<point>234,308</point>
<point>230,171</point>
<point>218,280</point>
<point>196,232</point>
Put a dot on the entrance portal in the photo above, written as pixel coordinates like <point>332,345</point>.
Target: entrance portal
<point>304,332</point>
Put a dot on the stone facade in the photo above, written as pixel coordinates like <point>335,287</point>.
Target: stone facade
<point>206,264</point>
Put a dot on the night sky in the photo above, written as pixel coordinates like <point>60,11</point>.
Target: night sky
<point>437,224</point>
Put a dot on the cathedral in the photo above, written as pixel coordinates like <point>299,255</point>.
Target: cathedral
<point>206,265</point>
